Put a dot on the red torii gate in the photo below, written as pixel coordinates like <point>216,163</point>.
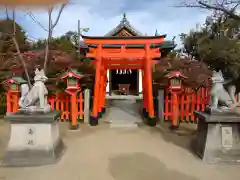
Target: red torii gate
<point>123,58</point>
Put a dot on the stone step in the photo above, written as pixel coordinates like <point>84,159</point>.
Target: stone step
<point>123,125</point>
<point>123,97</point>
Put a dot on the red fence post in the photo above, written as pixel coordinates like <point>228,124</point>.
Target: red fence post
<point>175,110</point>
<point>8,102</point>
<point>74,124</point>
<point>12,99</point>
<point>81,105</point>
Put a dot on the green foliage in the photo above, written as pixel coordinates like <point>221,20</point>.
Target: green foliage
<point>2,100</point>
<point>66,43</point>
<point>197,73</point>
<point>217,44</point>
<point>72,36</point>
<point>62,43</point>
<point>172,54</point>
<point>63,54</point>
<point>39,44</point>
<point>6,44</point>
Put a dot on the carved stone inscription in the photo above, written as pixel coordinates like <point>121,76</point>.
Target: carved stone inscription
<point>227,137</point>
<point>30,136</point>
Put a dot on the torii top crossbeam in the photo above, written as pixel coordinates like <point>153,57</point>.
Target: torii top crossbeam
<point>121,54</point>
<point>121,40</point>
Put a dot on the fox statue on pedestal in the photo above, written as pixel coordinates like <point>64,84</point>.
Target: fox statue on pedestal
<point>223,93</point>
<point>35,99</point>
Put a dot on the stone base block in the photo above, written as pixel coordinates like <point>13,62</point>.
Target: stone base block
<point>145,113</point>
<point>93,121</point>
<point>34,140</point>
<point>103,110</point>
<point>151,121</point>
<point>218,138</point>
<point>73,127</point>
<point>173,127</point>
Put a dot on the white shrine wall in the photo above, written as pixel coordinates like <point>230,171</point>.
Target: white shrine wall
<point>108,86</point>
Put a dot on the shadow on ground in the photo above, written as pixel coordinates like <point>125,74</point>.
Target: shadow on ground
<point>142,166</point>
<point>67,135</point>
<point>181,137</point>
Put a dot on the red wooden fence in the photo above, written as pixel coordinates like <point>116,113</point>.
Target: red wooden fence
<point>187,103</point>
<point>60,102</point>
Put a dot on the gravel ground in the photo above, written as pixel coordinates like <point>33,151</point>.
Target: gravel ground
<point>104,153</point>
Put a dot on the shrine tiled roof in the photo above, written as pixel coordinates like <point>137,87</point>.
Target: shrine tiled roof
<point>124,23</point>
<point>168,45</point>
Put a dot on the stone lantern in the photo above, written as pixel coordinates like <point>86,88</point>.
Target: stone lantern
<point>175,86</point>
<point>13,84</point>
<point>13,88</point>
<point>175,81</point>
<point>72,77</point>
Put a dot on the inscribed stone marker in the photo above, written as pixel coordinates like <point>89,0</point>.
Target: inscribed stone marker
<point>227,139</point>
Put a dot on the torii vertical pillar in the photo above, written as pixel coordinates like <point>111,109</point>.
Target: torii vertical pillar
<point>151,119</point>
<point>100,82</point>
<point>145,112</point>
<point>101,101</point>
<point>104,90</point>
<point>95,114</point>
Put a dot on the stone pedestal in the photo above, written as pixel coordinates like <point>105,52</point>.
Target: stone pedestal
<point>86,105</point>
<point>218,138</point>
<point>34,140</point>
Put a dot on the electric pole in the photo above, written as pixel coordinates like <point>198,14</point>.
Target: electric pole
<point>79,37</point>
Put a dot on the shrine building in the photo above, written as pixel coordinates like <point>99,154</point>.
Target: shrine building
<point>133,77</point>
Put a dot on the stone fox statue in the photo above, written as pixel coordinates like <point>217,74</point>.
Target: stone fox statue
<point>222,92</point>
<point>35,99</point>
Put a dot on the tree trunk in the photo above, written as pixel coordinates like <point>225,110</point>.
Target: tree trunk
<point>51,26</point>
<point>22,61</point>
<point>19,52</point>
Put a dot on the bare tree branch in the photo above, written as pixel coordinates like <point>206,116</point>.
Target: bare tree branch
<point>49,37</point>
<point>59,15</point>
<point>218,6</point>
<point>51,26</point>
<point>36,21</point>
<point>6,10</point>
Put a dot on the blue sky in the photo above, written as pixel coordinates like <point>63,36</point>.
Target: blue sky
<point>103,15</point>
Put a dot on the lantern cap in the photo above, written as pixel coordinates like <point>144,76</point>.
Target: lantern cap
<point>15,79</point>
<point>176,74</point>
<point>74,73</point>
